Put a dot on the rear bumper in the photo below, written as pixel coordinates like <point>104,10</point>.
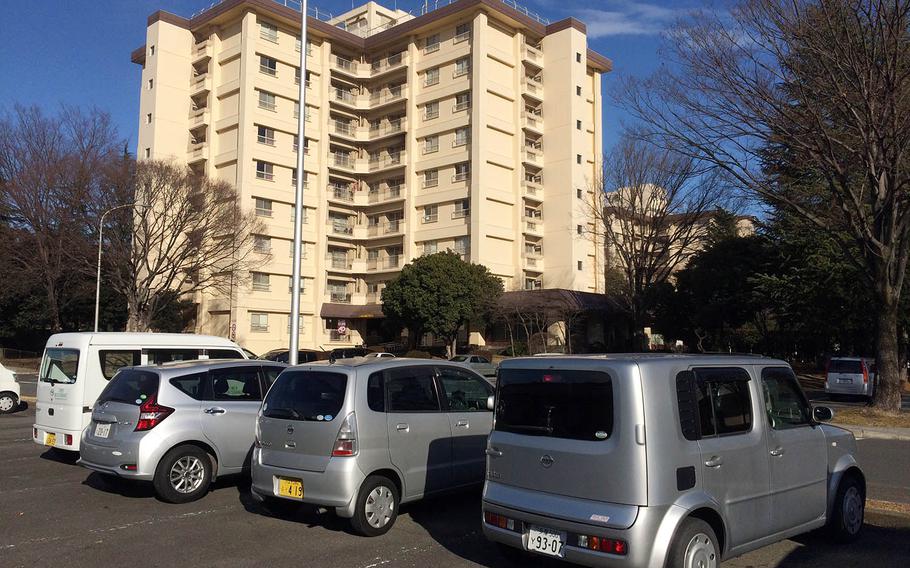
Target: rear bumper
<point>109,459</point>
<point>40,435</point>
<point>645,549</point>
<point>336,487</point>
<point>861,389</point>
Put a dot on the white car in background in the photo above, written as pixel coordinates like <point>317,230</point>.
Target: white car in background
<point>9,391</point>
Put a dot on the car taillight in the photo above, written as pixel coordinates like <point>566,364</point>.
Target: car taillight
<point>151,414</point>
<point>346,441</point>
<point>500,521</point>
<point>865,373</point>
<point>68,439</point>
<point>601,544</point>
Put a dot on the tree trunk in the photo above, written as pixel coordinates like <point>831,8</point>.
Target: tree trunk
<point>450,348</point>
<point>889,375</point>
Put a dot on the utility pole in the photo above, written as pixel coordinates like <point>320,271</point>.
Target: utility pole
<point>298,193</point>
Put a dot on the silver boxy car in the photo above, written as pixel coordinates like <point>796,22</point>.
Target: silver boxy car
<point>850,376</point>
<point>178,425</point>
<point>479,364</point>
<point>662,461</point>
<point>363,436</point>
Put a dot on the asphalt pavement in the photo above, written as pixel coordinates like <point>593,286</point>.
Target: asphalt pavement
<point>53,511</point>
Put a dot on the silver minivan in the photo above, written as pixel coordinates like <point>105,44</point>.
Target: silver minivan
<point>662,460</point>
<point>364,435</point>
<point>178,425</point>
<point>850,376</point>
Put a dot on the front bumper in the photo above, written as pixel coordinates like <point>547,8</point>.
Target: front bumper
<point>336,487</point>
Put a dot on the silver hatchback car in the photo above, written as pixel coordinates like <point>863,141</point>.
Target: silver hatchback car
<point>177,425</point>
<point>364,435</point>
<point>662,461</point>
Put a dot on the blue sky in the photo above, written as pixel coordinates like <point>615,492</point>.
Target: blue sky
<point>83,54</point>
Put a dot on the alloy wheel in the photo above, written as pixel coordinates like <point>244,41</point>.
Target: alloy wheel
<point>186,474</point>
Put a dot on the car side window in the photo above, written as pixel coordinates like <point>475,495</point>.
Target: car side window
<point>191,385</point>
<point>376,392</point>
<point>238,384</point>
<point>224,354</point>
<point>785,403</point>
<point>411,389</point>
<point>723,400</point>
<point>463,391</point>
<point>482,360</point>
<point>270,374</point>
<point>112,360</point>
<point>158,356</point>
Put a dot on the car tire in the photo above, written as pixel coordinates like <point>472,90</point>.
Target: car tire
<point>9,403</point>
<point>695,545</point>
<point>377,506</point>
<point>846,522</point>
<point>183,474</point>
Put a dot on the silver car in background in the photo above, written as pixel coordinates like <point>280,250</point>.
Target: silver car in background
<point>850,376</point>
<point>178,425</point>
<point>477,363</point>
<point>662,461</point>
<point>364,435</point>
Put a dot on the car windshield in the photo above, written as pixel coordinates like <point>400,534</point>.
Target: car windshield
<point>845,366</point>
<point>459,358</point>
<point>131,387</point>
<point>59,366</point>
<point>305,395</point>
<point>556,403</point>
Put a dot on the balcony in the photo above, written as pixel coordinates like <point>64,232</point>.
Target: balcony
<point>397,61</point>
<point>347,66</point>
<point>387,128</point>
<point>346,161</point>
<point>342,128</point>
<point>202,50</point>
<point>532,155</point>
<point>461,177</point>
<point>386,96</point>
<point>387,193</point>
<point>460,213</point>
<point>534,264</point>
<point>200,83</point>
<point>388,160</point>
<point>200,116</point>
<point>341,193</point>
<point>532,189</point>
<point>391,227</point>
<point>339,261</point>
<point>533,226</point>
<point>196,152</point>
<point>532,121</point>
<point>341,228</point>
<point>391,262</point>
<point>532,87</point>
<point>532,54</point>
<point>339,297</point>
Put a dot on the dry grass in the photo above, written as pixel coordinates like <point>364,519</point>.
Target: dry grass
<point>874,418</point>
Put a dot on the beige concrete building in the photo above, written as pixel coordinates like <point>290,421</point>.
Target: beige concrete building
<point>474,127</point>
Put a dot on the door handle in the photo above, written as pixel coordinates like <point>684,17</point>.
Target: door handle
<point>494,453</point>
<point>403,427</point>
<point>461,424</point>
<point>214,410</point>
<point>777,452</point>
<point>715,461</point>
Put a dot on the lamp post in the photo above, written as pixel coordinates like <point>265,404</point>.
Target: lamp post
<point>100,240</point>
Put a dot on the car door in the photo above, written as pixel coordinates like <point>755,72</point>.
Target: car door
<point>229,414</point>
<point>420,438</point>
<point>465,397</point>
<point>734,465</point>
<point>797,452</point>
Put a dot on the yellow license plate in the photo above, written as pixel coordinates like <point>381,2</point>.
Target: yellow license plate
<point>292,488</point>
<point>50,440</point>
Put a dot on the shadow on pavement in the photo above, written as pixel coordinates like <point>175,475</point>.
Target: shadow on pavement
<point>878,545</point>
<point>119,486</point>
<point>60,456</point>
<point>300,513</point>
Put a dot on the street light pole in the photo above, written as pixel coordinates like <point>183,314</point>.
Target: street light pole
<point>100,240</point>
<point>298,194</point>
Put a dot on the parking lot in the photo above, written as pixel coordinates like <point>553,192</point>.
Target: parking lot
<point>53,510</point>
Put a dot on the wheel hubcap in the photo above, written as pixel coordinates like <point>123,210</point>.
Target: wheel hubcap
<point>6,403</point>
<point>380,507</point>
<point>853,510</point>
<point>700,552</point>
<point>187,474</point>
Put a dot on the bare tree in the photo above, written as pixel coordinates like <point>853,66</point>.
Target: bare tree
<point>651,209</point>
<point>50,171</point>
<point>823,85</point>
<point>188,235</point>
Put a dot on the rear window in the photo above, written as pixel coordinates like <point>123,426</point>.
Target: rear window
<point>131,387</point>
<point>571,404</point>
<point>59,366</point>
<point>306,395</point>
<point>845,366</point>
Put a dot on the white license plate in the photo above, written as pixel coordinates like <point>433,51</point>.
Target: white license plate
<point>546,541</point>
<point>102,430</point>
<point>845,381</point>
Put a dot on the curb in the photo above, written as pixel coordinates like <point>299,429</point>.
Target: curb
<point>865,433</point>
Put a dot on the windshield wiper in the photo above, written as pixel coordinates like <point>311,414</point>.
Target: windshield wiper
<point>528,428</point>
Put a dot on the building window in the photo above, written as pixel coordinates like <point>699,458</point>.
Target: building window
<point>462,245</point>
<point>431,178</point>
<point>462,209</point>
<point>259,321</point>
<point>297,111</point>
<point>462,66</point>
<point>151,83</point>
<point>578,193</point>
<point>431,110</point>
<point>430,247</point>
<point>430,213</point>
<point>462,136</point>
<point>577,158</point>
<point>532,284</point>
<point>267,100</point>
<point>265,170</point>
<point>294,177</point>
<point>431,44</point>
<point>148,118</point>
<point>579,229</point>
<point>266,135</point>
<point>431,77</point>
<point>579,265</point>
<point>268,66</point>
<point>151,50</point>
<point>262,243</point>
<point>268,31</point>
<point>148,153</point>
<point>261,281</point>
<point>430,144</point>
<point>462,33</point>
<point>578,125</point>
<point>578,90</point>
<point>263,207</point>
<point>298,45</point>
<point>462,172</point>
<point>577,57</point>
<point>462,101</point>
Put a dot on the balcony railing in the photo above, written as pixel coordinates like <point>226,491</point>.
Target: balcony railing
<point>268,105</point>
<point>338,297</point>
<point>388,63</point>
<point>461,176</point>
<point>341,192</point>
<point>345,64</point>
<point>341,262</point>
<point>464,105</point>
<point>345,96</point>
<point>265,140</point>
<point>387,95</point>
<point>390,192</point>
<point>430,217</point>
<point>390,127</point>
<point>343,128</point>
<point>343,160</point>
<point>533,54</point>
<point>391,159</point>
<point>268,70</point>
<point>387,228</point>
<point>533,226</point>
<point>341,228</point>
<point>388,263</point>
<point>460,213</point>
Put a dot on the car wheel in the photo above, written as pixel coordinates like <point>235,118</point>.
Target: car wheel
<point>8,403</point>
<point>183,474</point>
<point>695,546</point>
<point>377,506</point>
<point>849,509</point>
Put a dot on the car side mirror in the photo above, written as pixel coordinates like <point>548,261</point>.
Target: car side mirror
<point>491,402</point>
<point>822,413</point>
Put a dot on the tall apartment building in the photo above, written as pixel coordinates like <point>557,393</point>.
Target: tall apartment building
<point>473,127</point>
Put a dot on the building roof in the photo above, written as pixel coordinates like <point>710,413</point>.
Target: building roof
<point>292,17</point>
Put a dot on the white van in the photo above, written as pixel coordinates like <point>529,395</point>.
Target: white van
<point>77,366</point>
